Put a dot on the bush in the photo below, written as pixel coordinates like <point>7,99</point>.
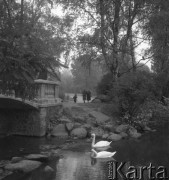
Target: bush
<point>129,92</point>
<point>105,84</point>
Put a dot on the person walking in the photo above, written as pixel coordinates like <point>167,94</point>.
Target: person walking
<point>84,95</point>
<point>75,98</point>
<point>88,96</point>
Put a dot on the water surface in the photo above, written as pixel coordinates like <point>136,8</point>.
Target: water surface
<point>76,162</point>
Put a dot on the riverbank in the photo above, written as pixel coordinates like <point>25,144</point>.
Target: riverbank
<point>80,120</point>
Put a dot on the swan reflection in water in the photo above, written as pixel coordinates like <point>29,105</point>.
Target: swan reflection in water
<point>95,160</point>
<point>102,148</point>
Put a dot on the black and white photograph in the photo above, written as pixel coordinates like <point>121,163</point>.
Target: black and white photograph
<point>84,89</point>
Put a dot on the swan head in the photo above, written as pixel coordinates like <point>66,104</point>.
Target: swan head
<point>93,135</point>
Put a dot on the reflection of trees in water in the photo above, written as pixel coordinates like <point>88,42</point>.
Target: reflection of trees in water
<point>77,165</point>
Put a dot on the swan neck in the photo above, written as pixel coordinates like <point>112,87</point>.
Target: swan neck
<point>93,141</point>
<point>94,151</point>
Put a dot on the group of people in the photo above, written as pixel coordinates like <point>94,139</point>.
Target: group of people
<point>85,94</point>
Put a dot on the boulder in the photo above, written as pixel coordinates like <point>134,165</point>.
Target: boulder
<point>69,126</point>
<point>23,166</point>
<point>115,137</point>
<point>79,132</point>
<point>16,159</point>
<point>97,131</point>
<point>91,121</point>
<point>67,111</point>
<point>123,134</point>
<point>64,119</point>
<point>59,131</point>
<point>80,119</point>
<point>122,128</point>
<point>48,173</point>
<point>87,127</point>
<point>100,118</point>
<point>48,169</point>
<point>103,98</point>
<point>109,127</point>
<point>133,132</point>
<point>146,128</point>
<point>76,125</point>
<point>105,136</point>
<point>37,157</point>
<point>96,100</point>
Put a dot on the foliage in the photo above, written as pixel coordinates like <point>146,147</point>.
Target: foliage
<point>156,28</point>
<point>105,84</point>
<point>30,42</point>
<point>130,92</point>
<point>85,77</point>
<point>109,29</point>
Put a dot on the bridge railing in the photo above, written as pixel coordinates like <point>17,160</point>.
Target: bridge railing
<point>47,92</point>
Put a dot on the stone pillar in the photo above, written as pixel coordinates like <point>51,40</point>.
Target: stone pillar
<point>42,123</point>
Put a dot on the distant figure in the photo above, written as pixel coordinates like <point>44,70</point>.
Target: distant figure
<point>84,94</point>
<point>75,98</point>
<point>88,95</point>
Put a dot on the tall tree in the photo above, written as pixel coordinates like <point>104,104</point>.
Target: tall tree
<point>112,27</point>
<point>157,28</point>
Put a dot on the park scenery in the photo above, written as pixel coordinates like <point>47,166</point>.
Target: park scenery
<point>84,89</point>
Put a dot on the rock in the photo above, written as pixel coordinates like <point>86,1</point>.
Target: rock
<point>96,100</point>
<point>91,121</point>
<point>100,118</point>
<point>105,136</point>
<point>115,137</point>
<point>16,159</point>
<point>87,127</point>
<point>122,128</point>
<point>146,128</point>
<point>80,119</point>
<point>37,157</point>
<point>59,131</point>
<point>48,169</point>
<point>109,127</point>
<point>133,133</point>
<point>3,163</point>
<point>48,172</point>
<point>79,132</point>
<point>64,119</point>
<point>77,125</point>
<point>67,111</point>
<point>23,166</point>
<point>103,98</point>
<point>69,126</point>
<point>123,134</point>
<point>4,174</point>
<point>97,131</point>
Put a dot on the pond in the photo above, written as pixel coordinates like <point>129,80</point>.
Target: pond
<point>76,162</point>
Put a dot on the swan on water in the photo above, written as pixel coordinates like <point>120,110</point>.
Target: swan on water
<point>103,154</point>
<point>99,144</point>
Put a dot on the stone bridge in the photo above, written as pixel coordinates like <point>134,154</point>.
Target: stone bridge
<point>31,118</point>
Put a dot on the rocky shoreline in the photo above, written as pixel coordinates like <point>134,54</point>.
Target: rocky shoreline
<point>80,122</point>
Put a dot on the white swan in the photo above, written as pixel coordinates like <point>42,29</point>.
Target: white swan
<point>103,154</point>
<point>99,144</point>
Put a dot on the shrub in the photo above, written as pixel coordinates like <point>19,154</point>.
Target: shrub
<point>129,92</point>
